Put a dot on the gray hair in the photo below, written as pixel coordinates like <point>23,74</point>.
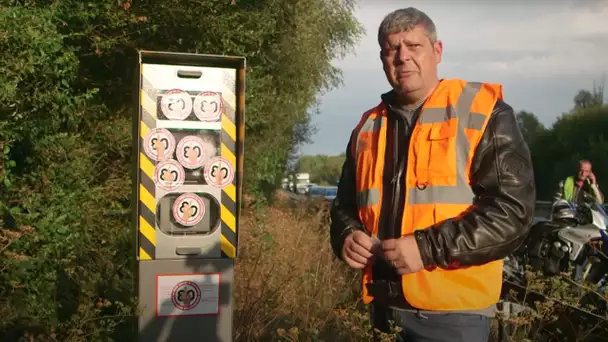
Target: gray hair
<point>403,20</point>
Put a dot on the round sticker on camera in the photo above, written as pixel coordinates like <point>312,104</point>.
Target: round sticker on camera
<point>169,175</point>
<point>159,144</point>
<point>188,209</point>
<point>176,104</point>
<point>208,106</point>
<point>219,172</point>
<point>190,152</point>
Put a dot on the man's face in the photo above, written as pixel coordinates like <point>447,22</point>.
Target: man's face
<point>410,60</point>
<point>583,171</point>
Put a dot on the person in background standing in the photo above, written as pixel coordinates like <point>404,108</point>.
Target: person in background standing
<point>583,186</point>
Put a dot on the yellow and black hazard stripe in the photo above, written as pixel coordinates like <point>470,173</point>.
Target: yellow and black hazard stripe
<point>147,198</point>
<point>228,213</point>
<point>240,88</point>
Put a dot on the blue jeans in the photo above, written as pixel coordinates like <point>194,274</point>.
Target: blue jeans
<point>435,327</point>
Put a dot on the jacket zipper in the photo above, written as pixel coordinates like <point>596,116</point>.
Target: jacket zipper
<point>398,170</point>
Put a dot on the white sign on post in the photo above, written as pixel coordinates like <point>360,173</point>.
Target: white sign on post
<point>188,295</point>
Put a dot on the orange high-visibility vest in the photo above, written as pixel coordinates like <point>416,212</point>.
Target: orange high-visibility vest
<point>437,187</point>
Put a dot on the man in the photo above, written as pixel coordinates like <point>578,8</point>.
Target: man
<point>585,186</point>
<point>436,190</point>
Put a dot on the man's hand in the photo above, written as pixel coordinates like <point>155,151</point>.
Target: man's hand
<point>403,254</point>
<point>592,177</point>
<point>357,250</point>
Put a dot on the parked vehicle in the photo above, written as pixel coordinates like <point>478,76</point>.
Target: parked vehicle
<point>574,237</point>
<point>570,237</point>
<point>330,193</point>
<point>316,191</point>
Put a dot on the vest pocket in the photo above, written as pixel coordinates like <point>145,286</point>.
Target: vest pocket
<point>440,147</point>
<point>366,156</point>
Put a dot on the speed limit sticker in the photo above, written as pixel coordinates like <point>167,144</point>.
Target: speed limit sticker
<point>189,294</point>
<point>186,295</point>
<point>169,175</point>
<point>159,144</point>
<point>208,106</point>
<point>219,172</point>
<point>176,104</point>
<point>190,152</point>
<point>188,209</point>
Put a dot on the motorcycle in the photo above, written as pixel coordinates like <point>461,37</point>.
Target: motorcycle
<point>570,236</point>
<point>595,271</point>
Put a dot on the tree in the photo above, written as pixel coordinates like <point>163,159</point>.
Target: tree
<point>580,134</point>
<point>590,99</point>
<point>67,84</point>
<point>323,169</point>
<point>529,126</point>
<point>585,99</point>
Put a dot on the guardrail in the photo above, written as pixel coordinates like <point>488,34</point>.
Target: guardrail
<point>542,209</point>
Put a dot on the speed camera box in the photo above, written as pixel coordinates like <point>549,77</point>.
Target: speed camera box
<point>190,155</point>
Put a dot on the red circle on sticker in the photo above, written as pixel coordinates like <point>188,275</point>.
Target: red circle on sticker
<point>208,106</point>
<point>188,209</point>
<point>176,104</point>
<point>169,175</point>
<point>219,172</point>
<point>190,152</point>
<point>186,295</point>
<point>159,144</point>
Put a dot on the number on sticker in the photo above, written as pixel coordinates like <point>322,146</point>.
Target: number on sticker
<point>168,175</point>
<point>223,170</point>
<point>195,148</point>
<point>204,106</point>
<point>189,296</point>
<point>164,141</point>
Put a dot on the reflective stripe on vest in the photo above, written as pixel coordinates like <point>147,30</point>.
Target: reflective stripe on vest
<point>569,188</point>
<point>441,150</point>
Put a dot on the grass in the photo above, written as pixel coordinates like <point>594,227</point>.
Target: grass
<point>288,287</point>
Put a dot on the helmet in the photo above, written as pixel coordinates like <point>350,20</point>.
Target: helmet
<point>563,212</point>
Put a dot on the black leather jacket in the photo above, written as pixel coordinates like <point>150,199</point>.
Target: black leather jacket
<point>502,179</point>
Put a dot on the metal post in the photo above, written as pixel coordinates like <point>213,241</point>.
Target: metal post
<point>188,140</point>
<point>502,328</point>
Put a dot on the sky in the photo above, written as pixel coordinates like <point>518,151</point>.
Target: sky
<point>542,52</point>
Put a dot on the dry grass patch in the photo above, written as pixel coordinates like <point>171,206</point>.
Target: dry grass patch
<point>288,284</point>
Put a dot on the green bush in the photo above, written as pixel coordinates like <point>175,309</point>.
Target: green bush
<point>66,87</point>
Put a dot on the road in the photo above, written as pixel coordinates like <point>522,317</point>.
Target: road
<point>542,207</point>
